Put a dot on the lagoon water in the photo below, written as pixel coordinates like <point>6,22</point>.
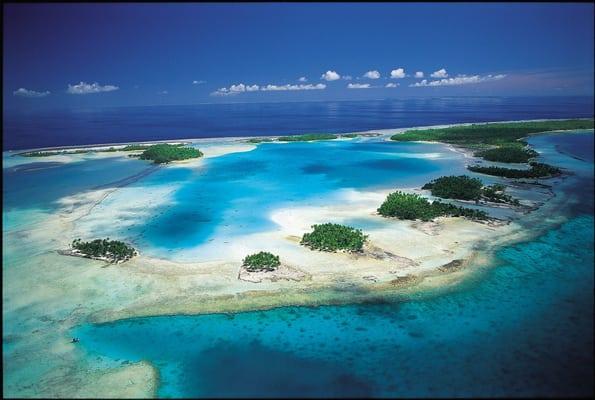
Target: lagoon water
<point>522,327</point>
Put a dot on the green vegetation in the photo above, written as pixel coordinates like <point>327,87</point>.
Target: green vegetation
<point>350,135</point>
<point>508,154</point>
<point>165,153</point>
<point>466,188</point>
<point>113,250</point>
<point>259,140</point>
<point>307,137</point>
<point>262,261</point>
<point>130,147</point>
<point>39,154</point>
<point>412,206</point>
<point>537,170</point>
<point>52,153</point>
<point>492,134</point>
<point>333,237</point>
<point>455,187</point>
<point>495,193</point>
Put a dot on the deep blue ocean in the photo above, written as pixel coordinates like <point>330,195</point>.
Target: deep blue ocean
<point>69,127</point>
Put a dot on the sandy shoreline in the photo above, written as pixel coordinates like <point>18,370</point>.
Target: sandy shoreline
<point>402,259</point>
<point>383,132</point>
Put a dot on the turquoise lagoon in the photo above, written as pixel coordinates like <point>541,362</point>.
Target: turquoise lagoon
<point>233,195</point>
<point>522,327</point>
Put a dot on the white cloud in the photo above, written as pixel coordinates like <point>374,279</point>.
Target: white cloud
<point>397,73</point>
<point>198,82</point>
<point>372,74</point>
<point>347,77</point>
<point>303,79</point>
<point>268,88</point>
<point>330,76</point>
<point>358,86</point>
<point>419,74</point>
<point>391,85</point>
<point>29,93</point>
<point>241,88</point>
<point>459,80</point>
<point>86,88</point>
<point>441,73</point>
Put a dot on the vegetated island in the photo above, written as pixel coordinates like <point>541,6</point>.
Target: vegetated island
<point>333,237</point>
<point>413,206</point>
<point>261,261</point>
<point>464,187</point>
<point>308,137</point>
<point>112,251</point>
<point>536,170</point>
<point>500,142</point>
<point>166,153</point>
<point>129,147</point>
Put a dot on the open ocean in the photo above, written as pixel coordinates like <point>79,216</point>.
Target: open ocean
<point>34,129</point>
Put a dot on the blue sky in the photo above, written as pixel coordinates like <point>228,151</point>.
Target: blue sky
<point>65,55</point>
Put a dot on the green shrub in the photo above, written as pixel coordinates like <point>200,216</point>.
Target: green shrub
<point>508,154</point>
<point>536,170</point>
<point>113,250</point>
<point>455,187</point>
<point>307,137</point>
<point>493,134</point>
<point>333,237</point>
<point>259,140</point>
<point>495,193</point>
<point>413,206</point>
<point>165,153</point>
<point>262,261</point>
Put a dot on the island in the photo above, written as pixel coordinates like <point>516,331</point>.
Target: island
<point>464,187</point>
<point>112,251</point>
<point>333,237</point>
<point>413,206</point>
<point>261,261</point>
<point>166,153</point>
<point>536,170</point>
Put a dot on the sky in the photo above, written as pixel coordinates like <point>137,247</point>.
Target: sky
<point>71,55</point>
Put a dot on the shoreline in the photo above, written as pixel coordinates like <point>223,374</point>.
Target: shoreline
<point>382,132</point>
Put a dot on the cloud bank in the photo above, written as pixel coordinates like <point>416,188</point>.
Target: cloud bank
<point>22,92</point>
<point>86,88</point>
<point>358,86</point>
<point>391,85</point>
<point>241,88</point>
<point>459,80</point>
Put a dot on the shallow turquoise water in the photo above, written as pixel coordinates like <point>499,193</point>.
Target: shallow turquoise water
<point>521,328</point>
<point>234,194</point>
